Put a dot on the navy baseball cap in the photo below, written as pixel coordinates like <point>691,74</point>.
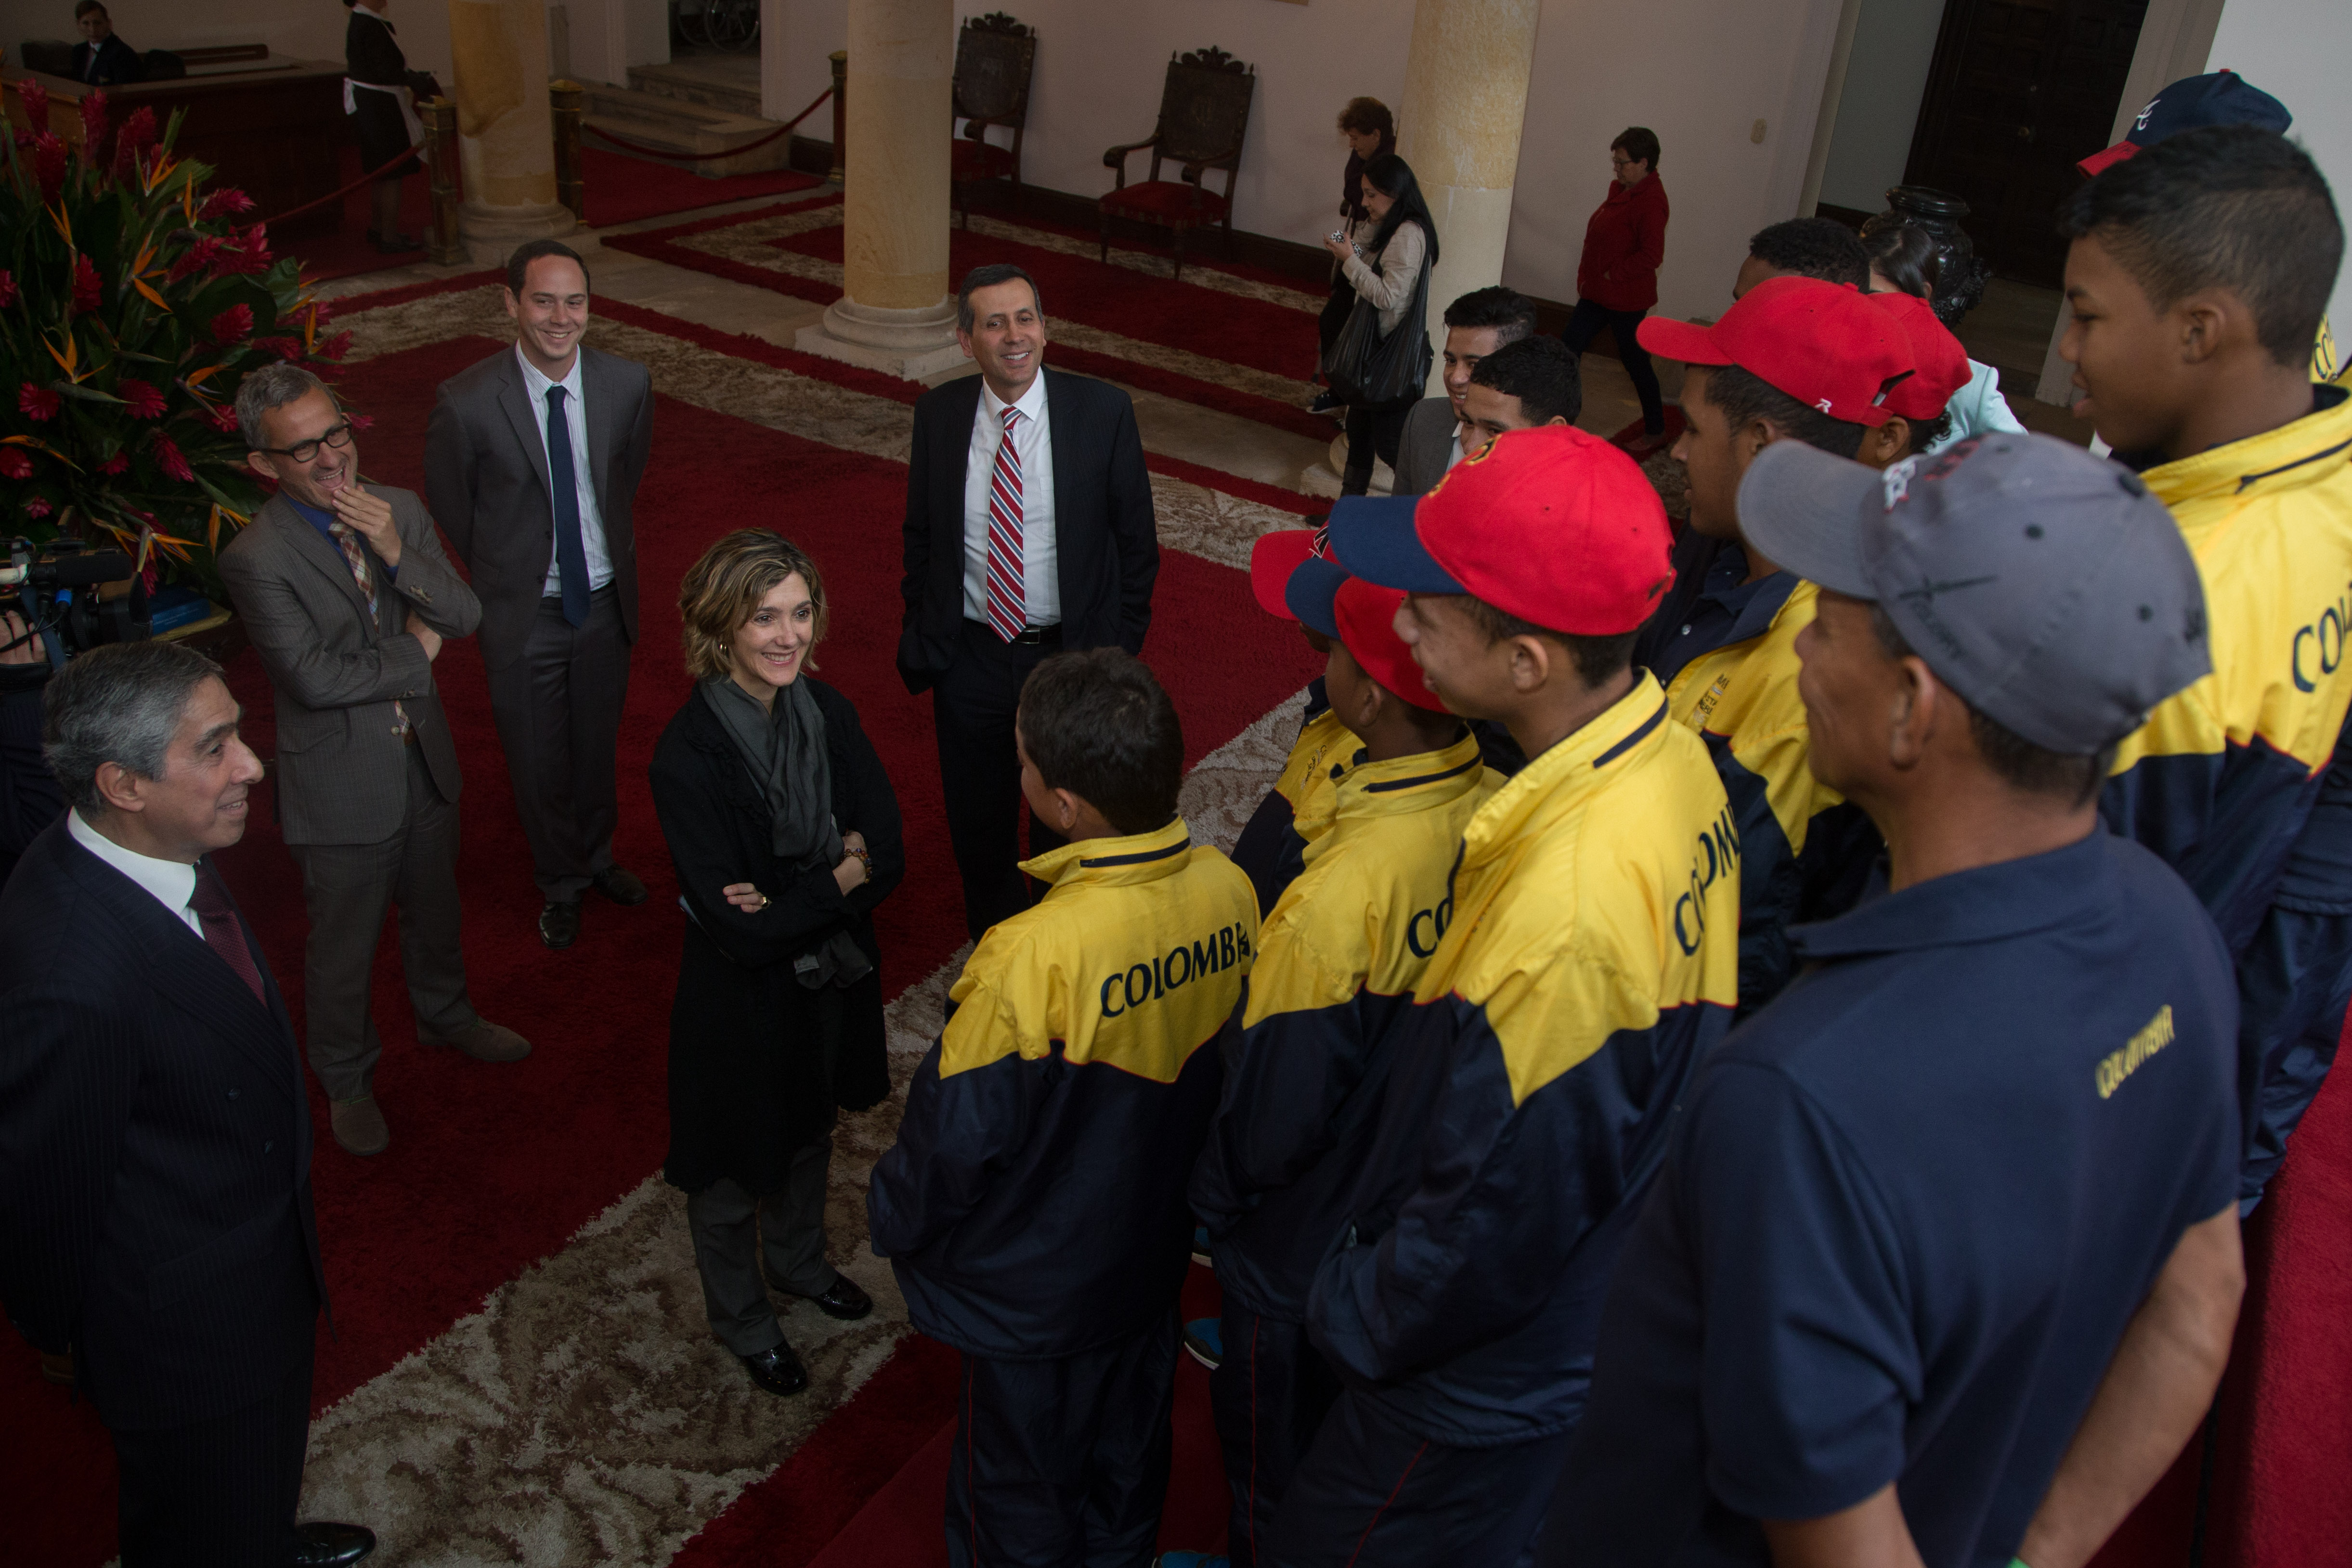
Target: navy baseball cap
<point>2221,98</point>
<point>2044,585</point>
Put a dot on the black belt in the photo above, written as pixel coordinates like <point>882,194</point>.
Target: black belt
<point>1031,636</point>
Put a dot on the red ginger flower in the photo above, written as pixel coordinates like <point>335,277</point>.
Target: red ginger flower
<point>36,102</point>
<point>200,256</point>
<point>118,463</point>
<point>36,507</point>
<point>8,289</point>
<point>14,464</point>
<point>168,458</point>
<point>143,401</point>
<point>93,126</point>
<point>232,324</point>
<point>38,402</point>
<point>139,131</point>
<point>226,200</point>
<point>362,422</point>
<point>224,418</point>
<point>283,348</point>
<point>336,346</point>
<point>50,165</point>
<point>86,292</point>
<point>253,255</point>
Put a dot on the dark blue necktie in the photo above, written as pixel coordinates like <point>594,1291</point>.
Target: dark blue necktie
<point>571,554</point>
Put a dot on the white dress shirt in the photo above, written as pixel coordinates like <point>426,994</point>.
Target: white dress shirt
<point>591,520</point>
<point>172,882</point>
<point>1033,442</point>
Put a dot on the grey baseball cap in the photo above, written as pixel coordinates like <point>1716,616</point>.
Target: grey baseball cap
<point>2044,585</point>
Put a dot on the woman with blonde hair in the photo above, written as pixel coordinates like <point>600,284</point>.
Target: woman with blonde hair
<point>785,834</point>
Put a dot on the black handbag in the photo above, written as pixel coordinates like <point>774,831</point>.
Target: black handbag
<point>1369,368</point>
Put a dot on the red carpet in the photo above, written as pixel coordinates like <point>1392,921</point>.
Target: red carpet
<point>1184,316</point>
<point>494,1168</point>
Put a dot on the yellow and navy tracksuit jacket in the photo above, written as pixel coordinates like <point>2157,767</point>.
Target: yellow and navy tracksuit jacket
<point>1272,848</point>
<point>1307,1052</point>
<point>2244,781</point>
<point>1033,1204</point>
<point>1589,960</point>
<point>1804,853</point>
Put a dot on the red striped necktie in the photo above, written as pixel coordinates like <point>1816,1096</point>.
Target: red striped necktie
<point>1007,583</point>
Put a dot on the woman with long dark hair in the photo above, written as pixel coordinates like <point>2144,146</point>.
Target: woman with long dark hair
<point>1388,268</point>
<point>1370,131</point>
<point>1903,260</point>
<point>785,834</point>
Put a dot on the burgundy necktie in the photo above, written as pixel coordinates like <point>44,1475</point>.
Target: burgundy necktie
<point>1007,575</point>
<point>222,933</point>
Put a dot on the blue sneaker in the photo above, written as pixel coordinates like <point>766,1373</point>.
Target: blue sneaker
<point>1200,1244</point>
<point>1204,1342</point>
<point>1193,1559</point>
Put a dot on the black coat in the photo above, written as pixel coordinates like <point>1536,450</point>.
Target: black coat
<point>155,1149</point>
<point>1105,535</point>
<point>757,1062</point>
<point>118,63</point>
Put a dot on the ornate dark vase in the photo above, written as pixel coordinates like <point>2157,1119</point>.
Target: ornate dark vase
<point>1962,274</point>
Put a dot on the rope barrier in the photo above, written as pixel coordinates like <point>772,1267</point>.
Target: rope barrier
<point>371,174</point>
<point>644,152</point>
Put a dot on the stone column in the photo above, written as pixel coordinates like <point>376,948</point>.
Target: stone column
<point>896,312</point>
<point>505,134</point>
<point>1466,97</point>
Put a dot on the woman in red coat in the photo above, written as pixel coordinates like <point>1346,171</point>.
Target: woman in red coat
<point>1617,279</point>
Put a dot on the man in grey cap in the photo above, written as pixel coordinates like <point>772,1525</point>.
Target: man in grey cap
<point>1943,1261</point>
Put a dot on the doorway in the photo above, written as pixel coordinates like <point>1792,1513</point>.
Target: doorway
<point>2019,92</point>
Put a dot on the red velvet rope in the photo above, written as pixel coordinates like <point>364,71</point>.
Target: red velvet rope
<point>643,151</point>
<point>377,173</point>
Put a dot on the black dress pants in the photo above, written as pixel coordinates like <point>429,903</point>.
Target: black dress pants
<point>1584,324</point>
<point>558,711</point>
<point>220,1493</point>
<point>1063,1463</point>
<point>973,709</point>
<point>1373,432</point>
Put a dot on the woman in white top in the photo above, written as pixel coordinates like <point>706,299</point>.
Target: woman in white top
<point>1902,261</point>
<point>1385,261</point>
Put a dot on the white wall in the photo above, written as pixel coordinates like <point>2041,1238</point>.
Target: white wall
<point>608,36</point>
<point>1886,78</point>
<point>1700,73</point>
<point>309,29</point>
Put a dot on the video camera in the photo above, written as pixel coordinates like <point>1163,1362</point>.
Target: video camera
<point>56,588</point>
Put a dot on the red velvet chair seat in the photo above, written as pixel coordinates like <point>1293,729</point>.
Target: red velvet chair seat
<point>980,161</point>
<point>1167,202</point>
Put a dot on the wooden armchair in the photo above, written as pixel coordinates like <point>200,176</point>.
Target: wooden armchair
<point>1204,114</point>
<point>994,55</point>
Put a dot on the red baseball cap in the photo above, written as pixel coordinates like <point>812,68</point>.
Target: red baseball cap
<point>1361,617</point>
<point>1823,343</point>
<point>1272,561</point>
<point>1943,363</point>
<point>1553,525</point>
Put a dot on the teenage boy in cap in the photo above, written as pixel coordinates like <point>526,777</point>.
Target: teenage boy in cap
<point>1795,360</point>
<point>1307,1054</point>
<point>2198,274</point>
<point>1587,961</point>
<point>1271,849</point>
<point>1534,382</point>
<point>1033,1204</point>
<point>1911,1207</point>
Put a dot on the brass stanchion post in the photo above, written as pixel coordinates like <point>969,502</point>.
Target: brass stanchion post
<point>569,100</point>
<point>440,118</point>
<point>840,111</point>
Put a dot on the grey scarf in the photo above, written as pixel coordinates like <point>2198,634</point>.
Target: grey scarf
<point>783,748</point>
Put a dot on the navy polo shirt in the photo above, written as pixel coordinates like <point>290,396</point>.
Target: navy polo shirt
<point>1708,606</point>
<point>1906,1212</point>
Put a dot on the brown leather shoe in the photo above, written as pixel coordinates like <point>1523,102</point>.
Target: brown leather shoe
<point>483,1041</point>
<point>359,1126</point>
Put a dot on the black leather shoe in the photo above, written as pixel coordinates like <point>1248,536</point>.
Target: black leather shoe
<point>844,1300</point>
<point>620,886</point>
<point>559,924</point>
<point>325,1545</point>
<point>778,1371</point>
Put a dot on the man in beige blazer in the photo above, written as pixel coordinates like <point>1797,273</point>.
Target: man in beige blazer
<point>346,596</point>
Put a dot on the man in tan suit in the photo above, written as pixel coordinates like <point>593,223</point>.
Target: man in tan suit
<point>346,597</point>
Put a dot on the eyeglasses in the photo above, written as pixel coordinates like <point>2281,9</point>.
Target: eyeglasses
<point>308,451</point>
<point>1619,161</point>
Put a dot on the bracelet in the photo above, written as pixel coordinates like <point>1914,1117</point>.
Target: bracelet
<point>866,861</point>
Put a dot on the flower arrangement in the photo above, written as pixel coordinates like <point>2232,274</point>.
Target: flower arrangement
<point>132,302</point>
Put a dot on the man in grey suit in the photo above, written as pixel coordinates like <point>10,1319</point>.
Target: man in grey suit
<point>555,562</point>
<point>346,596</point>
<point>1476,324</point>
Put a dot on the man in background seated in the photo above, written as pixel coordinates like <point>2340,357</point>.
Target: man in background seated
<point>103,59</point>
<point>1533,381</point>
<point>1481,322</point>
<point>1804,247</point>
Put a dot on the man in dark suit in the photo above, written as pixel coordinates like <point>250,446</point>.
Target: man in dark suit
<point>101,59</point>
<point>346,597</point>
<point>1476,325</point>
<point>1029,529</point>
<point>555,564</point>
<point>154,1143</point>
